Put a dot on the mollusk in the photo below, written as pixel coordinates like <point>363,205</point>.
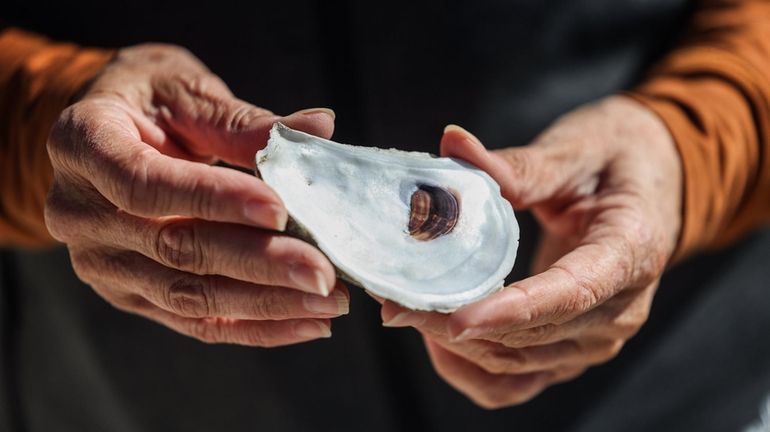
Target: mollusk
<point>426,232</point>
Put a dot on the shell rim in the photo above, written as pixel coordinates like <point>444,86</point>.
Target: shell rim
<point>413,300</point>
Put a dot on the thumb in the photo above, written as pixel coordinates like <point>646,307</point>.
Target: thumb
<point>527,175</point>
<point>207,120</point>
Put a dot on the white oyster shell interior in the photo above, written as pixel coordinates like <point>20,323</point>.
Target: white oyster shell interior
<point>355,203</point>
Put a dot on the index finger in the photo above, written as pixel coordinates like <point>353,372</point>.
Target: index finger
<point>605,262</point>
<point>139,179</point>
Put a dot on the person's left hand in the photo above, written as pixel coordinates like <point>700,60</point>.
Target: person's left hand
<point>604,182</point>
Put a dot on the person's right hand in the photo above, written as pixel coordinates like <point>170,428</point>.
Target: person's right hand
<point>157,231</point>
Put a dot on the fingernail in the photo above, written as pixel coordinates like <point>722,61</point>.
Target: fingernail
<point>266,215</point>
<point>309,279</point>
<point>312,111</point>
<point>335,304</point>
<point>453,127</point>
<point>456,128</point>
<point>405,319</point>
<point>312,329</point>
<point>471,333</point>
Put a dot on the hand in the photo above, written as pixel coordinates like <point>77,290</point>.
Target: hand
<point>157,231</point>
<point>605,184</point>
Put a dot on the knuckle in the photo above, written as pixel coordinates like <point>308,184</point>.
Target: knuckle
<point>241,117</point>
<point>573,347</point>
<point>256,337</point>
<point>70,120</point>
<point>654,257</point>
<point>132,184</point>
<point>74,212</point>
<point>658,259</point>
<point>203,199</point>
<point>205,85</point>
<point>519,162</point>
<point>84,265</point>
<point>627,324</point>
<point>179,245</point>
<point>59,137</point>
<point>489,360</point>
<point>497,361</point>
<point>585,297</point>
<point>626,259</point>
<point>200,83</point>
<point>70,137</point>
<point>641,249</point>
<point>585,294</point>
<point>56,216</point>
<point>607,351</point>
<point>217,104</point>
<point>528,337</point>
<point>210,100</point>
<point>270,304</point>
<point>191,297</point>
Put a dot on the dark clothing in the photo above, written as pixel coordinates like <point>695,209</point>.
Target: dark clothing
<point>395,73</point>
<point>73,363</point>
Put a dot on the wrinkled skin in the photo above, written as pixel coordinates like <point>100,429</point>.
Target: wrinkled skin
<point>605,184</point>
<point>157,231</point>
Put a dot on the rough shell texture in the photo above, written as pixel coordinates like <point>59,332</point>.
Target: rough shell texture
<point>359,204</point>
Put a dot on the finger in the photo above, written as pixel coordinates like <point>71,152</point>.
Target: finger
<point>194,245</point>
<point>204,115</point>
<point>487,390</point>
<point>619,318</point>
<point>615,319</point>
<point>548,169</point>
<point>499,359</point>
<point>434,325</point>
<point>112,272</point>
<point>241,332</point>
<point>236,251</point>
<point>590,324</point>
<point>605,262</point>
<point>140,180</point>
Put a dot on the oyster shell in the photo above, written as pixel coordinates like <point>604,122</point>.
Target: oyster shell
<point>429,233</point>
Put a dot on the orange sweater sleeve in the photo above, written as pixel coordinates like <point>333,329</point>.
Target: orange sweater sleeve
<point>713,93</point>
<point>38,79</point>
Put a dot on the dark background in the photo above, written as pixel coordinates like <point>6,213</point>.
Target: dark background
<point>396,73</point>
